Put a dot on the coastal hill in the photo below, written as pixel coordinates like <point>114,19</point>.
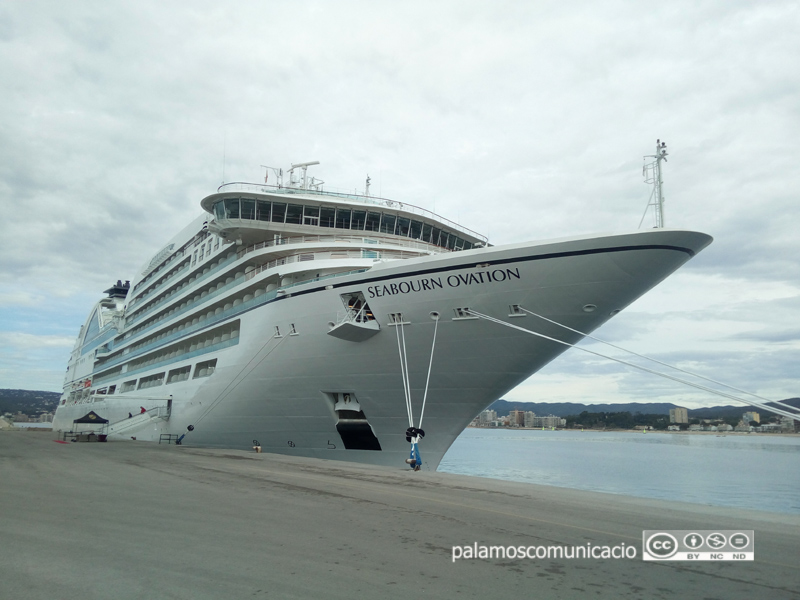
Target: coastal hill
<point>33,403</point>
<point>565,409</point>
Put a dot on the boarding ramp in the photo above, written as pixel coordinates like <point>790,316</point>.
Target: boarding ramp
<point>135,422</point>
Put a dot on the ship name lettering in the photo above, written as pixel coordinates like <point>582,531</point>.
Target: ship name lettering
<point>433,283</point>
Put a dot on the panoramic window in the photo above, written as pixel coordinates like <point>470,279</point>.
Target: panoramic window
<point>231,208</point>
<point>359,216</point>
<point>278,212</point>
<point>177,375</point>
<point>294,214</point>
<point>415,231</point>
<point>343,218</point>
<point>373,222</point>
<point>151,381</point>
<point>310,215</point>
<point>387,223</point>
<point>248,209</point>
<point>327,217</point>
<point>205,369</point>
<point>403,225</point>
<point>427,228</point>
<point>263,210</point>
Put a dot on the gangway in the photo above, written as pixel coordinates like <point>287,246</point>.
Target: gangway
<point>137,421</point>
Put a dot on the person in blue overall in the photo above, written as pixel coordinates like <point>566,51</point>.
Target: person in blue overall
<point>413,435</point>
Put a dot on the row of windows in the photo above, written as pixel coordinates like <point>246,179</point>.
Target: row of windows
<point>201,369</point>
<point>338,218</point>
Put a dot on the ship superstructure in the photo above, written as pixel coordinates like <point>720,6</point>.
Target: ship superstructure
<point>314,323</point>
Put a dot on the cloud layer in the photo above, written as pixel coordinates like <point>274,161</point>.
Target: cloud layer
<point>522,121</point>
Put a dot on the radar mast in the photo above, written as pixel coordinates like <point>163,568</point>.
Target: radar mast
<point>652,175</point>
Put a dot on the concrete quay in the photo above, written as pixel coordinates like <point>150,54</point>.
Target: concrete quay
<point>138,520</point>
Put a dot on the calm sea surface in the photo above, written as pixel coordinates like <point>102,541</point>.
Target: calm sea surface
<point>745,471</point>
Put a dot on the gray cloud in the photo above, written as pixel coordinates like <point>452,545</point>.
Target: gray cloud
<point>523,121</point>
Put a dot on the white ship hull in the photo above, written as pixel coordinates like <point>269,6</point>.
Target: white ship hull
<point>282,388</point>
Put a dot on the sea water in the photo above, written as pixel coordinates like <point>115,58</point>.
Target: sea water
<point>753,471</point>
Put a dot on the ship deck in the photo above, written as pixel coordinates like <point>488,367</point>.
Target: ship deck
<point>139,520</point>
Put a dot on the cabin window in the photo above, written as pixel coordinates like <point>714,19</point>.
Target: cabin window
<point>451,241</point>
<point>248,209</point>
<point>415,231</point>
<point>278,212</point>
<point>467,245</point>
<point>219,210</point>
<point>311,215</point>
<point>458,244</point>
<point>294,214</point>
<point>436,237</point>
<point>387,223</point>
<point>128,386</point>
<point>263,210</point>
<point>327,217</point>
<point>231,208</point>
<point>111,389</point>
<point>359,216</point>
<point>343,218</point>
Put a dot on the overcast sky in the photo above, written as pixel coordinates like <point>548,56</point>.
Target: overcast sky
<point>522,120</point>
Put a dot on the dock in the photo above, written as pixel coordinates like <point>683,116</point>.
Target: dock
<point>140,520</point>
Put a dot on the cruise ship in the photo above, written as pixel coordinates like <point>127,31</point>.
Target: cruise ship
<point>303,321</point>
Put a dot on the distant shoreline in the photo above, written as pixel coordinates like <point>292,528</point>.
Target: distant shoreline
<point>612,430</point>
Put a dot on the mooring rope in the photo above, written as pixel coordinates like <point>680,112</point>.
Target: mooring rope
<point>430,365</point>
<point>635,366</point>
<point>234,383</point>
<point>403,367</point>
<point>709,379</point>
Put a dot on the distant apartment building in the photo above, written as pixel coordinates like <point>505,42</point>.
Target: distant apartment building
<point>770,428</point>
<point>751,416</point>
<point>678,415</point>
<point>529,417</point>
<point>486,417</point>
<point>549,421</point>
<point>516,418</point>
